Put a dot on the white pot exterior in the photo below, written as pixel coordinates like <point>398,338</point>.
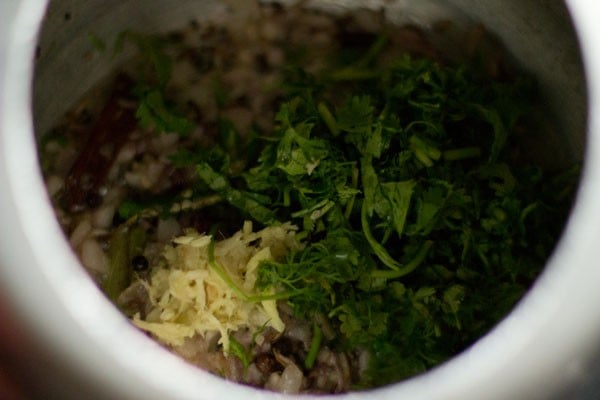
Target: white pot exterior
<point>69,342</point>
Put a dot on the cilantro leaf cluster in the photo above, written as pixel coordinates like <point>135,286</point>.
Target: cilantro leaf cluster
<point>421,228</point>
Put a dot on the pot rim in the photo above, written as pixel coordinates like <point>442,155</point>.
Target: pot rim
<point>534,352</point>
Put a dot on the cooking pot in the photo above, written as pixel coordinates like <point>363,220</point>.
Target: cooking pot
<point>61,338</point>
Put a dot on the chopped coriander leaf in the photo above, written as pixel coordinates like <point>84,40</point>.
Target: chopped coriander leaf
<point>155,112</point>
<point>416,226</point>
<point>254,205</point>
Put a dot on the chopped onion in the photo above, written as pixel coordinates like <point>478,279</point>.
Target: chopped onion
<point>291,379</point>
<point>93,257</point>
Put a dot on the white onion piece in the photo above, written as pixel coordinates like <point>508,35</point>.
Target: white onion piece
<point>93,257</point>
<point>80,232</point>
<point>54,183</point>
<point>253,375</point>
<point>126,153</point>
<point>291,380</point>
<point>103,217</point>
<point>301,332</point>
<point>167,229</point>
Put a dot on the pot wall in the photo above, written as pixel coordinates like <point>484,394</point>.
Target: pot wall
<point>78,346</point>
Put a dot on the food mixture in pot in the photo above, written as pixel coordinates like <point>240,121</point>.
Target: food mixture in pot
<point>305,202</point>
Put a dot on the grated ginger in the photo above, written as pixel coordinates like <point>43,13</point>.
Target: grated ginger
<point>189,297</point>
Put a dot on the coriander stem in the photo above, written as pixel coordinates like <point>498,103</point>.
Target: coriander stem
<point>118,270</point>
<point>272,296</point>
<point>428,150</point>
<point>229,281</point>
<point>461,154</point>
<point>175,208</point>
<point>408,268</point>
<point>306,211</point>
<point>328,118</point>
<point>379,250</point>
<point>350,204</point>
<point>315,345</point>
<point>423,158</point>
<point>375,49</point>
<point>221,271</point>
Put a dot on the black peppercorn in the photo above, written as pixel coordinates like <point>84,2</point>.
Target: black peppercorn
<point>139,263</point>
<point>93,200</point>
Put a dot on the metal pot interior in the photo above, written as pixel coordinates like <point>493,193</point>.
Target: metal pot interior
<point>537,34</point>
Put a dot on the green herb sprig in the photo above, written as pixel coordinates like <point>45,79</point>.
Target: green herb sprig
<point>419,227</point>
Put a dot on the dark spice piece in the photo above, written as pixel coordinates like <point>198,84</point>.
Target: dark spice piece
<point>139,263</point>
<point>113,127</point>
